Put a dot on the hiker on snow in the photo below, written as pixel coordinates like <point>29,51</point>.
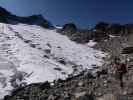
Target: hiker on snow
<point>120,69</point>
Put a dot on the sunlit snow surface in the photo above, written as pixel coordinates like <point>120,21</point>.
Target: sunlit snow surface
<point>39,55</point>
<point>91,43</point>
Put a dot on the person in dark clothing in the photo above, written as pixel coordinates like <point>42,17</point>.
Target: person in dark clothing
<point>120,70</point>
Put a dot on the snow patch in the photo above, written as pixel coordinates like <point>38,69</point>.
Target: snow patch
<point>91,43</point>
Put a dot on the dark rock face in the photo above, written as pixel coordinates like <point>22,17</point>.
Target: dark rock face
<point>7,17</point>
<point>127,50</point>
<point>114,29</point>
<point>68,29</point>
<point>4,12</point>
<point>3,15</point>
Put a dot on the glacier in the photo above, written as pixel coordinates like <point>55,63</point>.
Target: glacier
<point>41,55</point>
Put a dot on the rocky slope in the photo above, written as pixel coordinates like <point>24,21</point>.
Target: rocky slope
<point>85,86</point>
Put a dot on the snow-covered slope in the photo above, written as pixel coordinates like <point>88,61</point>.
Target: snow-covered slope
<point>31,54</point>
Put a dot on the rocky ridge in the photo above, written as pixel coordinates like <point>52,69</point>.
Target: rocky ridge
<point>9,18</point>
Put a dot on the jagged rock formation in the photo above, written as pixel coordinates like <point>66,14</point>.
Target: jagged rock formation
<point>101,31</point>
<point>7,17</point>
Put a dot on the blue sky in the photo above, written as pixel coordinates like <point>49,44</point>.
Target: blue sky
<point>82,12</point>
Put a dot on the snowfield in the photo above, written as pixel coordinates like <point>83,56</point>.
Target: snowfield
<point>31,54</point>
